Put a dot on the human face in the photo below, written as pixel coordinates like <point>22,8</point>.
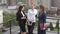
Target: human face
<point>32,6</point>
<point>23,8</point>
<point>40,10</point>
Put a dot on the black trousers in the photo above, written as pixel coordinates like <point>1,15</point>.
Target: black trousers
<point>31,28</point>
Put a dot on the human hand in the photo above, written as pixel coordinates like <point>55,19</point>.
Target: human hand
<point>23,17</point>
<point>46,25</point>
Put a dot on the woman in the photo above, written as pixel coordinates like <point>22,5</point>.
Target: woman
<point>21,18</point>
<point>42,20</point>
<point>31,18</point>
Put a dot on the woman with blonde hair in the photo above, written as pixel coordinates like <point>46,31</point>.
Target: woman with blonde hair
<point>41,20</point>
<point>31,18</point>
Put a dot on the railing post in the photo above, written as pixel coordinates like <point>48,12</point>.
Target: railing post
<point>58,27</point>
<point>10,28</point>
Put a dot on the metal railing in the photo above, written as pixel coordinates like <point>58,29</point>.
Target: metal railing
<point>57,23</point>
<point>10,24</point>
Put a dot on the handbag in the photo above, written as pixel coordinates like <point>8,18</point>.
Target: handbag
<point>44,26</point>
<point>41,26</point>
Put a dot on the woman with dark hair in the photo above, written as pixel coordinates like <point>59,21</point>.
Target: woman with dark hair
<point>42,20</point>
<point>21,18</point>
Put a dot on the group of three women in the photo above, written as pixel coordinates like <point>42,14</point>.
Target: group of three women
<point>30,18</point>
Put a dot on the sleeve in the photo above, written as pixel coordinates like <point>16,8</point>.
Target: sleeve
<point>28,14</point>
<point>25,14</point>
<point>44,18</point>
<point>18,16</point>
<point>36,13</point>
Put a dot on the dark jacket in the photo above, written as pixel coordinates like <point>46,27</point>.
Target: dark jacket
<point>19,15</point>
<point>42,19</point>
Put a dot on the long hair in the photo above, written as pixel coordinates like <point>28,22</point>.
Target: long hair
<point>20,8</point>
<point>42,7</point>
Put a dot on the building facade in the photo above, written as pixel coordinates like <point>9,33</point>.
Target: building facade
<point>46,3</point>
<point>50,3</point>
<point>11,2</point>
<point>56,3</point>
<point>28,2</point>
<point>14,2</point>
<point>8,2</point>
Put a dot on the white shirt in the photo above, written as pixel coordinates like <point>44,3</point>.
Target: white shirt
<point>31,15</point>
<point>22,13</point>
